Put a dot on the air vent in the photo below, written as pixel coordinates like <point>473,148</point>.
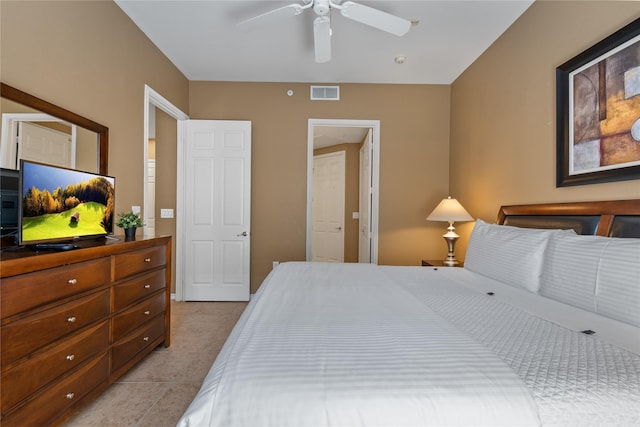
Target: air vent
<point>325,93</point>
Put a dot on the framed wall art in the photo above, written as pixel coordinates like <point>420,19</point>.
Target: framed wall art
<point>598,112</point>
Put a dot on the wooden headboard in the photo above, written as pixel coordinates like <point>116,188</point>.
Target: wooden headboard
<point>611,218</point>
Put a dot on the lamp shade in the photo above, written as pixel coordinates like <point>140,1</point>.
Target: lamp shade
<point>449,210</point>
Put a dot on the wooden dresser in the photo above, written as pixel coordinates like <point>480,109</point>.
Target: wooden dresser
<point>73,322</point>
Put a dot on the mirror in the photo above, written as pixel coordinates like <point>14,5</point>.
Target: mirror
<point>92,139</point>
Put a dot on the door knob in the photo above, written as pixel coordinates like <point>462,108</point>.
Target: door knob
<point>339,228</point>
<point>244,233</point>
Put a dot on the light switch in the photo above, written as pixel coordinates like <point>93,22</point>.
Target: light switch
<point>135,209</point>
<point>355,215</point>
<point>166,213</point>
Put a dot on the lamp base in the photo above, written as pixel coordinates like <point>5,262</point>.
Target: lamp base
<point>450,237</point>
<point>451,262</point>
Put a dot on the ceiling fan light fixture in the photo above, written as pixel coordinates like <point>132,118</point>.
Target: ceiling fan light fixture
<point>322,24</point>
<point>321,7</point>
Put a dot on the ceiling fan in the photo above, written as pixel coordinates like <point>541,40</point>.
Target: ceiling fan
<point>322,24</point>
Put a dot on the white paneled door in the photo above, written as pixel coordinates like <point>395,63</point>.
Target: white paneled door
<point>327,231</point>
<point>217,210</point>
<point>46,145</point>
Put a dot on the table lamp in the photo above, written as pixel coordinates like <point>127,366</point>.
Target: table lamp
<point>450,210</point>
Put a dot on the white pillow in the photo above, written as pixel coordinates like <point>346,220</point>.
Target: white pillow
<point>511,255</point>
<point>618,282</point>
<point>571,268</point>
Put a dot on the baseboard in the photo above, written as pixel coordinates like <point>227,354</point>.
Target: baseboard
<point>173,297</point>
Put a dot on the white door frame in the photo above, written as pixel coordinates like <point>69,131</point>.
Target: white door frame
<point>153,98</point>
<point>375,175</point>
<point>364,200</point>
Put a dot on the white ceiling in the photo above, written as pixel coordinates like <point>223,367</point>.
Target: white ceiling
<point>202,40</point>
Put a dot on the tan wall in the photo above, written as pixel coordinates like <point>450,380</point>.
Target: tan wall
<point>165,153</point>
<point>88,57</point>
<point>503,111</point>
<point>86,148</point>
<point>414,157</point>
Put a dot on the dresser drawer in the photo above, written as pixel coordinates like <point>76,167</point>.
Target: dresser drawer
<point>138,261</point>
<point>27,291</point>
<point>26,378</point>
<point>136,289</point>
<point>123,350</point>
<point>128,320</point>
<point>26,335</point>
<point>54,401</point>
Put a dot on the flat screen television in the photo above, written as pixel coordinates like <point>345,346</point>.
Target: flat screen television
<point>62,205</point>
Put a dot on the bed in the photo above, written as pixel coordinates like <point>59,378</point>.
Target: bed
<point>540,327</point>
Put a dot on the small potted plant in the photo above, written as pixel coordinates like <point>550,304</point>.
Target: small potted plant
<point>129,221</point>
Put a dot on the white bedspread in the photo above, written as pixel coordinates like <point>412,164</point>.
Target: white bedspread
<point>344,345</point>
<point>576,379</point>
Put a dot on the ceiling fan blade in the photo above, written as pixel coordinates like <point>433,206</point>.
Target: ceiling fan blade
<point>375,18</point>
<point>272,16</point>
<point>322,38</point>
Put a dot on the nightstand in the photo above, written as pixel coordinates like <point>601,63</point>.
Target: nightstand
<point>437,263</point>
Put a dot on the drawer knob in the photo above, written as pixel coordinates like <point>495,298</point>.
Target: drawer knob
<point>72,281</point>
<point>147,260</point>
<point>70,395</point>
<point>147,286</point>
<point>145,339</point>
<point>71,356</point>
<point>71,319</point>
<point>147,312</point>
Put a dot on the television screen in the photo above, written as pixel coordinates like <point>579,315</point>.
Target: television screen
<point>9,185</point>
<point>60,204</point>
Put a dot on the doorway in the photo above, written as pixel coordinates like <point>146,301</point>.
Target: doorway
<point>152,101</point>
<point>352,133</point>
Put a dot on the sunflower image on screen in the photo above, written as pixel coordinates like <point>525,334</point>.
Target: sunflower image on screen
<point>62,204</point>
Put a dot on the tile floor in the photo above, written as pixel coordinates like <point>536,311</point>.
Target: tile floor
<point>156,392</point>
